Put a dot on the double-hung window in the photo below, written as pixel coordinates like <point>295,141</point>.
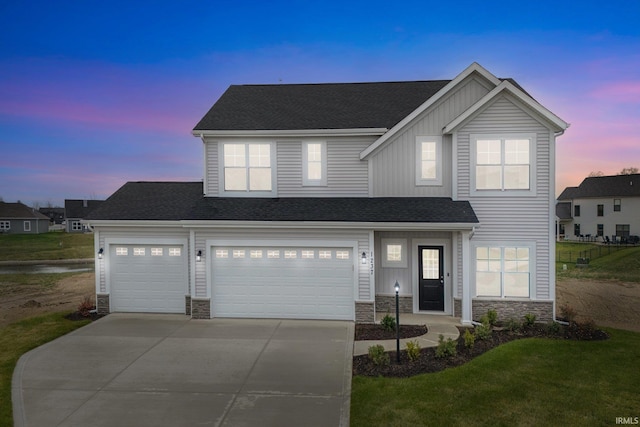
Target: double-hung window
<point>428,160</point>
<point>502,163</point>
<point>314,163</point>
<point>247,167</point>
<point>503,271</point>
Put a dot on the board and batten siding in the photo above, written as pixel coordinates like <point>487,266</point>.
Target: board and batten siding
<point>393,167</point>
<point>511,218</point>
<point>305,238</point>
<point>347,175</point>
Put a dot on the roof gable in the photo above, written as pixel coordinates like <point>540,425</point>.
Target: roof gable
<point>605,186</point>
<point>19,211</point>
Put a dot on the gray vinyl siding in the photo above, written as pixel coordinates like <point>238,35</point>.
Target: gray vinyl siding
<point>305,237</point>
<point>394,166</point>
<point>212,169</point>
<point>347,175</point>
<point>511,218</point>
<point>142,234</point>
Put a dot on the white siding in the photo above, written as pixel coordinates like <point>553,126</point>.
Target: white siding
<point>305,237</point>
<point>394,165</point>
<point>211,165</point>
<point>589,219</point>
<point>507,218</point>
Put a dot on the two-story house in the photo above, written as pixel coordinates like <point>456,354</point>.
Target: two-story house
<point>318,198</point>
<point>601,208</point>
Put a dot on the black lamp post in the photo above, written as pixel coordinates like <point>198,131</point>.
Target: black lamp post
<point>397,288</point>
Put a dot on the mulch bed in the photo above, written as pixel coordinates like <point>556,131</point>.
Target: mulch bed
<point>368,331</point>
<point>76,315</point>
<point>427,362</point>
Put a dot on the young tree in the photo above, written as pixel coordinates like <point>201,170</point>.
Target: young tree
<point>595,173</point>
<point>628,171</point>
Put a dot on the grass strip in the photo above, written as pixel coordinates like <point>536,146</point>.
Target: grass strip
<point>20,337</point>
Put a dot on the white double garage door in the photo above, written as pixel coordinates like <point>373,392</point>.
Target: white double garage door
<point>298,282</point>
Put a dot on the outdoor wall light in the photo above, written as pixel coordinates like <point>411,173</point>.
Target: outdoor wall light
<point>199,256</point>
<point>364,257</point>
<point>100,252</point>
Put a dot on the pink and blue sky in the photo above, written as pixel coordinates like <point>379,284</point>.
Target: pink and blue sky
<point>94,94</point>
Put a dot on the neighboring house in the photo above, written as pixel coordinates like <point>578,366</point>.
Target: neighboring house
<point>56,215</point>
<point>75,211</point>
<point>602,207</point>
<point>318,198</point>
<point>16,218</point>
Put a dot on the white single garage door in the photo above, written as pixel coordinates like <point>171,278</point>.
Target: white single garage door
<point>277,282</point>
<point>148,278</point>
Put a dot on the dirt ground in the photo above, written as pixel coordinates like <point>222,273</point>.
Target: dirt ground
<point>66,295</point>
<point>614,304</point>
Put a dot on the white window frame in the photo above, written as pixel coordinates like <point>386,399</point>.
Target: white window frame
<point>27,226</point>
<point>437,139</point>
<point>403,262</point>
<point>502,245</point>
<point>5,225</point>
<point>247,192</point>
<point>306,181</point>
<point>157,252</point>
<point>76,226</point>
<point>473,141</point>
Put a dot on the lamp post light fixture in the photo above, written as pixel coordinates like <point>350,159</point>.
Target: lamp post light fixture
<point>199,256</point>
<point>100,252</point>
<point>397,288</point>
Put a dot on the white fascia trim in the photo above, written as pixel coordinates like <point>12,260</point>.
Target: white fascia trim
<point>474,67</point>
<point>133,223</point>
<point>289,133</point>
<point>379,226</point>
<point>556,121</point>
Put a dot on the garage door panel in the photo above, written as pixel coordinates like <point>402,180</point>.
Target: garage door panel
<point>315,288</point>
<point>147,282</point>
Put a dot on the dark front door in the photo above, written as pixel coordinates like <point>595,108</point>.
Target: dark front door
<point>431,278</point>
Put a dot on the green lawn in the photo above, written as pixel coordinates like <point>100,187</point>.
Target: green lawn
<point>20,337</point>
<point>623,265</point>
<point>526,382</point>
<point>47,246</point>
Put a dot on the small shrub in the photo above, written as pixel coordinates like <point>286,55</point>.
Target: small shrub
<point>483,331</point>
<point>85,306</point>
<point>445,348</point>
<point>554,327</point>
<point>469,339</point>
<point>388,323</point>
<point>568,313</point>
<point>529,319</point>
<point>513,325</point>
<point>492,316</point>
<point>378,355</point>
<point>413,350</point>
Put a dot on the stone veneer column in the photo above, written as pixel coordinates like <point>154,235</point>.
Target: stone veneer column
<point>200,308</point>
<point>365,312</point>
<point>102,304</point>
<point>187,304</point>
<point>387,304</point>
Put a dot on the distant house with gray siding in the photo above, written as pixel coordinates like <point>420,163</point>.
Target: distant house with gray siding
<point>17,218</point>
<point>601,207</point>
<point>75,211</point>
<point>318,198</point>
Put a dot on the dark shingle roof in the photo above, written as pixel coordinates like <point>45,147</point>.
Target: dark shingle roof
<point>184,201</point>
<point>563,210</point>
<point>19,211</point>
<point>80,208</point>
<point>317,106</point>
<point>605,186</point>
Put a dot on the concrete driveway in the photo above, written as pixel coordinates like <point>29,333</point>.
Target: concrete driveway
<point>169,370</point>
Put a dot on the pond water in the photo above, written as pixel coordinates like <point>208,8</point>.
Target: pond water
<point>45,268</point>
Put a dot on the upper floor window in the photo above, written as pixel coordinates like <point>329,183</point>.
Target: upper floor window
<point>247,167</point>
<point>576,210</point>
<point>428,160</point>
<point>600,210</point>
<point>314,163</point>
<point>502,163</point>
<point>616,205</point>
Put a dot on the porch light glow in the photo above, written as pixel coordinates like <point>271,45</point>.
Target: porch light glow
<point>364,257</point>
<point>397,287</point>
<point>100,252</point>
<point>199,256</point>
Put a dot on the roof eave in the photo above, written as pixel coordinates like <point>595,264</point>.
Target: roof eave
<point>288,132</point>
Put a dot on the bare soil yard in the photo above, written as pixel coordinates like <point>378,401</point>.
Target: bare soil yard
<point>19,302</point>
<point>608,303</point>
